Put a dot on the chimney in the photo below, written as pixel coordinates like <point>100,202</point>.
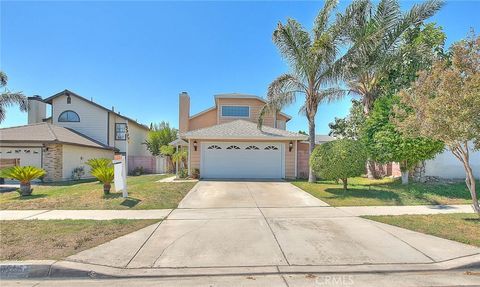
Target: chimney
<point>183,112</point>
<point>37,110</point>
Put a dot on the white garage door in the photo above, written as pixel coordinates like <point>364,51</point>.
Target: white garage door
<point>27,155</point>
<point>242,160</point>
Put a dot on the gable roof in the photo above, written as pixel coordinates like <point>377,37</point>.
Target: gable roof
<point>241,129</point>
<point>48,133</point>
<point>323,139</point>
<point>65,92</point>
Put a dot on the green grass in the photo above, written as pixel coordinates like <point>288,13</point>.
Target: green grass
<point>144,192</point>
<point>461,227</point>
<point>387,191</point>
<point>57,239</point>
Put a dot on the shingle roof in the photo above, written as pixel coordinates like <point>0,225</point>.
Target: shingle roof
<point>323,138</point>
<point>47,133</point>
<point>241,129</point>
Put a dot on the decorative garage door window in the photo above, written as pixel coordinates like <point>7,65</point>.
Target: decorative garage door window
<point>271,147</point>
<point>233,147</point>
<point>252,147</point>
<point>214,147</point>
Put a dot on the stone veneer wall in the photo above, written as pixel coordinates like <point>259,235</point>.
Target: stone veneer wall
<point>53,162</point>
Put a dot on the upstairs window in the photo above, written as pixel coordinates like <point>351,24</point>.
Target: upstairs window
<point>68,116</point>
<point>236,111</point>
<point>121,132</point>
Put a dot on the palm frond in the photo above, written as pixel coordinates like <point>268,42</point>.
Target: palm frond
<point>3,79</point>
<point>321,21</point>
<point>8,99</point>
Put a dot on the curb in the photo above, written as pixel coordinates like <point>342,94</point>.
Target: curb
<point>69,269</point>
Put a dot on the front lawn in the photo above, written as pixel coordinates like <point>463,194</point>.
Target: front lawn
<point>461,227</point>
<point>144,192</point>
<point>387,191</point>
<point>57,239</point>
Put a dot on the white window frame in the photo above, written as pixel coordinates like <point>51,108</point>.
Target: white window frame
<point>243,106</point>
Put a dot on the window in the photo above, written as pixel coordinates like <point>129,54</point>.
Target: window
<point>236,111</point>
<point>214,147</point>
<point>233,147</point>
<point>121,132</point>
<point>271,147</point>
<point>251,147</point>
<point>68,116</point>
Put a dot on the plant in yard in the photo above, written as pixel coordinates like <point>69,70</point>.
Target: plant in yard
<point>339,159</point>
<point>78,172</point>
<point>183,173</point>
<point>350,126</point>
<point>104,174</point>
<point>94,163</point>
<point>196,173</point>
<point>8,98</point>
<point>137,171</point>
<point>311,57</point>
<point>168,151</point>
<point>180,156</point>
<point>159,136</point>
<point>386,144</point>
<point>24,174</point>
<point>444,104</point>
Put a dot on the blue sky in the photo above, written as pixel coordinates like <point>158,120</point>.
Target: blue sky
<point>138,56</point>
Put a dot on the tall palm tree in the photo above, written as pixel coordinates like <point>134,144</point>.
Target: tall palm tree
<point>374,34</point>
<point>8,98</point>
<point>311,57</point>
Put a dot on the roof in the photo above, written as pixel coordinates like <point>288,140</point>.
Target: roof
<point>50,99</point>
<point>178,142</point>
<point>237,96</point>
<point>242,129</point>
<point>323,138</point>
<point>48,133</point>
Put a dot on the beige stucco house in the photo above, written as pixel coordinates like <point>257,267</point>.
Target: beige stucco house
<point>225,142</point>
<point>77,130</point>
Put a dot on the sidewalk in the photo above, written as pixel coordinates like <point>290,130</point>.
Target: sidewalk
<point>403,210</point>
<point>83,214</point>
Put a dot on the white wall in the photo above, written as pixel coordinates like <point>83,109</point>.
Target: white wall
<point>137,138</point>
<point>75,156</point>
<point>93,120</point>
<point>446,165</point>
<point>29,154</point>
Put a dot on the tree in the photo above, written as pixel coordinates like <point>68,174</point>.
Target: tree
<point>311,57</point>
<point>8,98</point>
<point>24,174</point>
<point>339,159</point>
<point>386,144</point>
<point>375,34</point>
<point>160,135</point>
<point>302,132</point>
<point>348,127</point>
<point>444,104</point>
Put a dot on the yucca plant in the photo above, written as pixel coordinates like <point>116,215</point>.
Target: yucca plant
<point>24,174</point>
<point>105,175</point>
<point>98,162</point>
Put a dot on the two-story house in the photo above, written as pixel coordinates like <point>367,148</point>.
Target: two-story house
<point>224,141</point>
<point>77,130</point>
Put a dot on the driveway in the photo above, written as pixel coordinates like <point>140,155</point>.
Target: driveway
<point>251,224</point>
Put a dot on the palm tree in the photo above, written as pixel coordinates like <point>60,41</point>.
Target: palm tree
<point>311,57</point>
<point>375,34</point>
<point>8,98</point>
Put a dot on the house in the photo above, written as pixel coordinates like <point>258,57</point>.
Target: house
<point>224,141</point>
<point>77,130</point>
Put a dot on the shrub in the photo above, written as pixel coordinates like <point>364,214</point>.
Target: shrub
<point>138,171</point>
<point>339,159</point>
<point>78,172</point>
<point>98,162</point>
<point>104,174</point>
<point>183,173</point>
<point>196,173</point>
<point>24,174</point>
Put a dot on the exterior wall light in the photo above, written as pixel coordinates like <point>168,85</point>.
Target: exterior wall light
<point>290,146</point>
<point>195,145</point>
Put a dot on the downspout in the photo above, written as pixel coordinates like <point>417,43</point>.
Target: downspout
<point>296,162</point>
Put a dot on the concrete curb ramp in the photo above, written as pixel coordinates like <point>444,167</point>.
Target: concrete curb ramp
<point>67,269</point>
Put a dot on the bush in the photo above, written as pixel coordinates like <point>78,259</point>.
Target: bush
<point>98,162</point>
<point>138,171</point>
<point>78,172</point>
<point>183,173</point>
<point>339,159</point>
<point>104,174</point>
<point>196,173</point>
<point>24,174</point>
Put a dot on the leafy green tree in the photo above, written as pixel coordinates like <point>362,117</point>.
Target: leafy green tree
<point>444,104</point>
<point>8,98</point>
<point>339,159</point>
<point>310,57</point>
<point>168,151</point>
<point>386,144</point>
<point>350,126</point>
<point>160,135</point>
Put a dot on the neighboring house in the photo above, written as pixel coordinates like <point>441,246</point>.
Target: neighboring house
<point>87,119</point>
<point>446,165</point>
<point>225,142</point>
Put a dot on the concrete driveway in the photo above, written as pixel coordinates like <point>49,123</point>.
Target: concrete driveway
<point>232,224</point>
